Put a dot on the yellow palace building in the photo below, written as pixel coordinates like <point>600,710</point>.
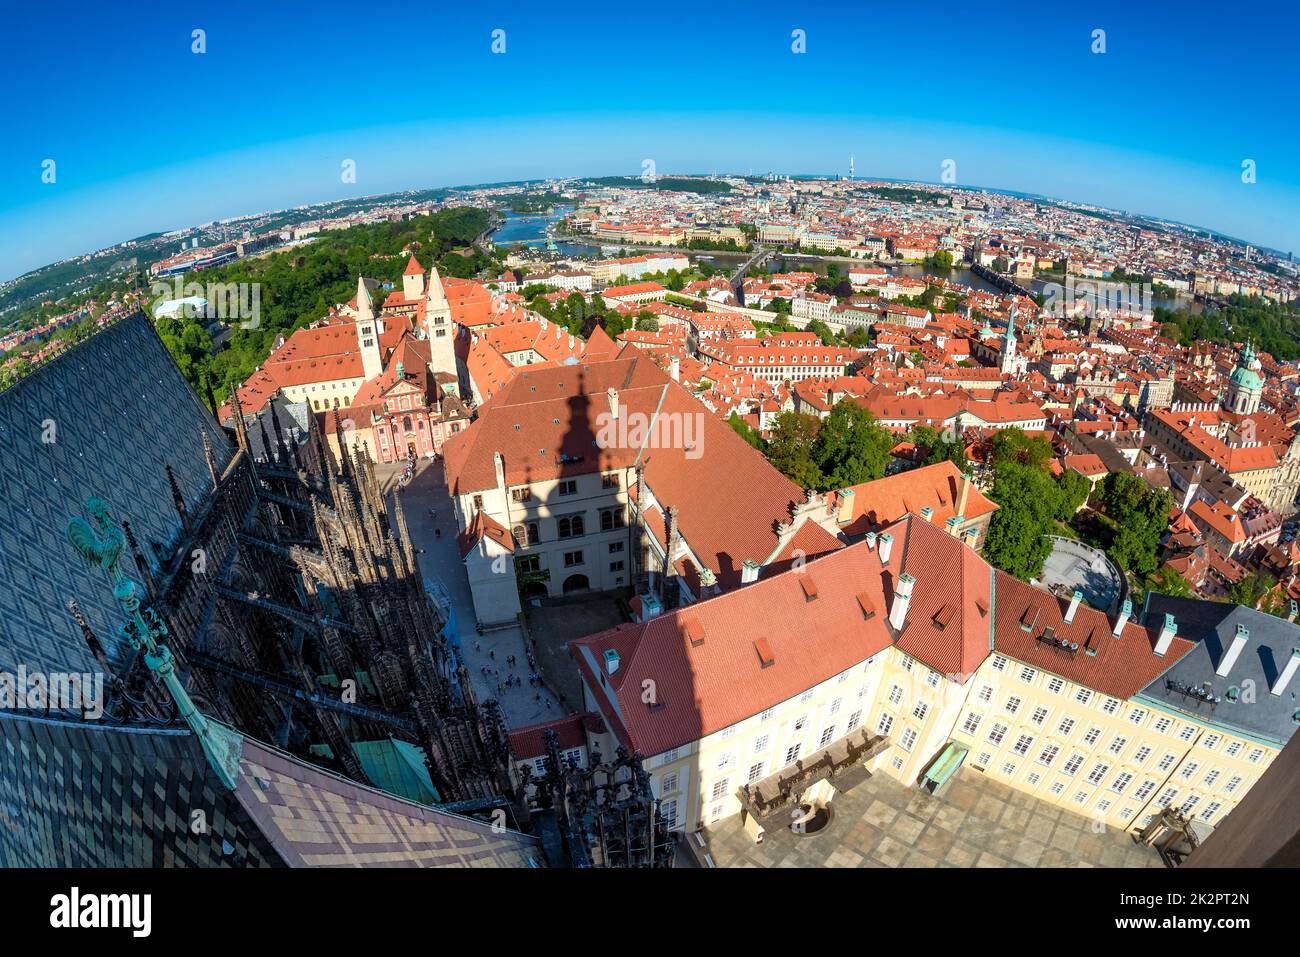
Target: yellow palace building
<point>907,653</point>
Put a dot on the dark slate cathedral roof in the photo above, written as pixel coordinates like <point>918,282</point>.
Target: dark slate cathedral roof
<point>121,412</point>
<point>82,793</point>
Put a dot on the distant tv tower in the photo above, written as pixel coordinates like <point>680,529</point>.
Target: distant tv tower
<point>850,167</point>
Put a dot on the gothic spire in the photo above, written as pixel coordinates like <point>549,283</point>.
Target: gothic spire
<point>210,457</point>
<point>281,452</point>
<point>177,498</point>
<point>241,427</point>
<point>145,572</point>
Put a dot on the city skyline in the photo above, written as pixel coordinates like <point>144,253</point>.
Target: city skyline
<point>1048,116</point>
<point>468,187</point>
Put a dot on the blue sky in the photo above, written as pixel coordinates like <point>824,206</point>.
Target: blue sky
<point>149,136</point>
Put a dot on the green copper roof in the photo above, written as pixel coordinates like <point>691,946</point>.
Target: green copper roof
<point>1244,375</point>
<point>397,767</point>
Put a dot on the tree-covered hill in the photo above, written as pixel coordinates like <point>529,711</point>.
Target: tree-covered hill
<point>297,286</point>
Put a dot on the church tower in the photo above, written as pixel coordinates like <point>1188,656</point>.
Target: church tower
<point>439,327</point>
<point>368,330</point>
<point>1245,385</point>
<point>413,281</point>
<point>1009,343</point>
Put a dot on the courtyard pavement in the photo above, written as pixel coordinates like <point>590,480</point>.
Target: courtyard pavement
<point>554,624</point>
<point>974,822</point>
<point>440,562</point>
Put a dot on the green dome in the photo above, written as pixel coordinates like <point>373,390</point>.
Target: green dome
<point>1245,376</point>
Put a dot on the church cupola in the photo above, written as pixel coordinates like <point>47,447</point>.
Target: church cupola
<point>1245,385</point>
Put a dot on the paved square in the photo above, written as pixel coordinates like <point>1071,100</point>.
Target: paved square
<point>556,622</point>
<point>432,525</point>
<point>975,822</point>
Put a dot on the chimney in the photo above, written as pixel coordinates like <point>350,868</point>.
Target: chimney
<point>927,513</point>
<point>1287,673</point>
<point>675,368</point>
<point>963,495</point>
<point>871,541</point>
<point>953,526</point>
<point>1292,610</point>
<point>1167,633</point>
<point>902,600</point>
<point>611,661</point>
<point>1125,613</point>
<point>1233,651</point>
<point>1074,606</point>
<point>612,394</point>
<point>844,514</point>
<point>886,547</point>
<point>748,571</point>
<point>500,465</point>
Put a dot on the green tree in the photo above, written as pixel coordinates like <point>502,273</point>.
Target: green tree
<point>852,447</point>
<point>939,446</point>
<point>1251,589</point>
<point>1166,581</point>
<point>1013,446</point>
<point>822,330</point>
<point>790,447</point>
<point>743,429</point>
<point>1074,492</point>
<point>577,307</point>
<point>1140,515</point>
<point>1028,501</point>
<point>647,322</point>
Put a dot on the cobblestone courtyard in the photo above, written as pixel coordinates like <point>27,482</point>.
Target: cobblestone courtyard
<point>434,537</point>
<point>554,625</point>
<point>975,822</point>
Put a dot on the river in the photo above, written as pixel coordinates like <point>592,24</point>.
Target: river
<point>529,229</point>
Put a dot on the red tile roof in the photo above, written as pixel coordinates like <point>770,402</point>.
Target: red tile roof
<point>545,423</point>
<point>888,499</point>
<point>728,658</point>
<point>1121,666</point>
<point>482,526</point>
<point>530,741</point>
<point>949,624</point>
<point>703,688</point>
